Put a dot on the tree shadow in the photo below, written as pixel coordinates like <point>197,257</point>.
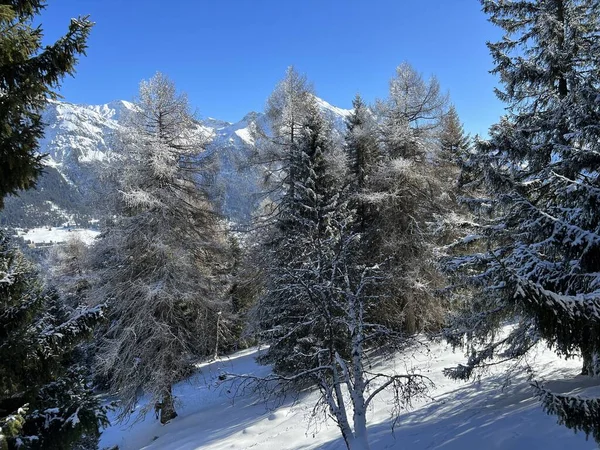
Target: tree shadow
<point>485,414</point>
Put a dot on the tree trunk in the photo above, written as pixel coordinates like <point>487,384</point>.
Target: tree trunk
<point>591,364</point>
<point>410,320</point>
<point>167,410</point>
<point>361,441</point>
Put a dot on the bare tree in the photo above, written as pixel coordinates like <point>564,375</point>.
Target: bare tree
<point>333,336</point>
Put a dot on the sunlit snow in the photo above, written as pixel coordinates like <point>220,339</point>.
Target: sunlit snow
<point>458,415</point>
<point>244,135</point>
<point>47,235</point>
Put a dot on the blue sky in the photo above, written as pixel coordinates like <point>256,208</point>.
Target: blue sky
<point>228,55</point>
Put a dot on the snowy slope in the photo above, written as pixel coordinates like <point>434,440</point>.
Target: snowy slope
<point>79,134</point>
<point>51,235</point>
<point>458,416</point>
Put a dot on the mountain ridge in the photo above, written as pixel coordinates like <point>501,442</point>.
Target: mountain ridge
<point>78,139</point>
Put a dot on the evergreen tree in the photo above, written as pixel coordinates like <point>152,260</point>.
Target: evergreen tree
<point>246,285</point>
<point>286,110</point>
<point>452,155</point>
<point>454,143</point>
<point>45,400</point>
<point>159,261</point>
<point>364,155</point>
<point>28,76</point>
<point>299,239</point>
<point>362,146</point>
<point>540,166</point>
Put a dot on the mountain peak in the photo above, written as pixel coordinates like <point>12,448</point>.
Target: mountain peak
<point>334,109</point>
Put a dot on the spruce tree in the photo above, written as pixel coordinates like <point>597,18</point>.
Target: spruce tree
<point>321,295</point>
<point>364,155</point>
<point>297,246</point>
<point>454,142</point>
<point>46,401</point>
<point>362,146</point>
<point>346,260</point>
<point>540,169</point>
<point>286,110</point>
<point>29,74</point>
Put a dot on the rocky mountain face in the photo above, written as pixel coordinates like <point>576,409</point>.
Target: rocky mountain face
<point>79,138</point>
<point>76,139</point>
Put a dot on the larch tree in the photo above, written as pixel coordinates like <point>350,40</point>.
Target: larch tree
<point>539,215</point>
<point>159,262</point>
<point>29,74</point>
<point>411,114</point>
<point>402,196</point>
<point>287,106</point>
<point>67,270</point>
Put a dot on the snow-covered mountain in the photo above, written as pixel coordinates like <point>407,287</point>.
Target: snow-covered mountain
<point>79,137</point>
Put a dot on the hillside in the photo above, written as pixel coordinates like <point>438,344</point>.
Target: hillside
<point>489,414</point>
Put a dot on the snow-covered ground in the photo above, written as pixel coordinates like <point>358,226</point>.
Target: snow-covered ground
<point>457,416</point>
<point>47,235</point>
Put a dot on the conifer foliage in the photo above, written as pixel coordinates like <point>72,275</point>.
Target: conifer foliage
<point>540,166</point>
<point>411,114</point>
<point>45,400</point>
<point>362,144</point>
<point>401,198</point>
<point>158,263</point>
<point>287,109</point>
<point>28,76</point>
<point>302,228</point>
<point>454,142</point>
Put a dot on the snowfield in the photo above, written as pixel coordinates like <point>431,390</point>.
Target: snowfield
<point>48,235</point>
<point>490,414</point>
